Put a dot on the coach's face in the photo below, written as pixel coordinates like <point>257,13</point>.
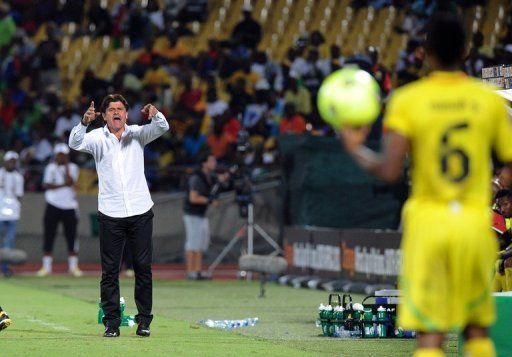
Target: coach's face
<point>116,116</point>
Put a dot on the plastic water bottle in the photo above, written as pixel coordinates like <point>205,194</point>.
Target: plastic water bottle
<point>122,304</point>
<point>229,324</point>
<point>337,323</point>
<point>382,321</point>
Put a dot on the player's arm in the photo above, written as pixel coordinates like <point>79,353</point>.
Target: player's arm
<point>387,165</point>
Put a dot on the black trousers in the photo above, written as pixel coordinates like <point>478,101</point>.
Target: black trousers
<point>52,217</point>
<point>136,232</point>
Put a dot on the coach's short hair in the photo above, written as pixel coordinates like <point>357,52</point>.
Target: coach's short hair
<point>113,98</point>
<point>446,38</point>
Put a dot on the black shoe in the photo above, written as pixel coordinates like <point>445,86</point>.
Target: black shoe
<point>203,276</point>
<point>111,332</point>
<point>143,330</point>
<point>5,321</point>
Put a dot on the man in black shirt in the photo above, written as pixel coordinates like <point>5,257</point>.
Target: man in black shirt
<point>202,191</point>
<point>248,31</point>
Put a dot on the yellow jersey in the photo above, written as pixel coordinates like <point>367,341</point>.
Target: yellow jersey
<point>453,123</point>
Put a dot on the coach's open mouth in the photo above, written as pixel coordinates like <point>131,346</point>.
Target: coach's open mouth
<point>117,118</point>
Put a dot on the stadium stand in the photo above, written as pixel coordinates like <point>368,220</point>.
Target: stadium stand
<point>182,56</point>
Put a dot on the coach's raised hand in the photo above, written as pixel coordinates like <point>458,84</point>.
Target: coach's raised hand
<point>90,114</point>
<point>149,111</point>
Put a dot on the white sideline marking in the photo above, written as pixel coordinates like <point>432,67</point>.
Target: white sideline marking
<point>48,324</point>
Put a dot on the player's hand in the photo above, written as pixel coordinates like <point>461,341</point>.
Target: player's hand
<point>90,114</point>
<point>215,203</point>
<point>353,137</point>
<point>149,111</point>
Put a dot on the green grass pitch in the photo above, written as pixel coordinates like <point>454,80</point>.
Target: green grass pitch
<point>57,316</point>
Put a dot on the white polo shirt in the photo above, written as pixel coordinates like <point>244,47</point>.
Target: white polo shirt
<point>123,190</point>
<point>11,188</point>
<point>62,197</point>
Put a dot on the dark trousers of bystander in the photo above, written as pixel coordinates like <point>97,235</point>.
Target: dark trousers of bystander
<point>52,217</point>
<point>136,231</point>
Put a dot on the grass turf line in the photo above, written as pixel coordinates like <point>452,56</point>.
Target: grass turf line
<point>286,321</point>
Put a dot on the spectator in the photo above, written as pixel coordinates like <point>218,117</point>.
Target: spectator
<point>137,27</point>
<point>144,59</point>
<point>156,76</point>
<point>65,122</point>
<point>193,142</point>
<point>245,72</point>
<point>71,11</point>
<point>317,42</point>
<point>59,179</point>
<point>299,96</point>
<point>99,22</point>
<point>503,266</point>
<point>208,61</point>
<point>174,50</point>
<point>220,141</point>
<point>259,66</point>
<point>156,17</point>
<point>313,76</point>
<point>380,73</point>
<point>191,97</point>
<point>46,53</point>
<point>334,62</point>
<point>239,97</point>
<point>248,31</point>
<point>7,26</point>
<point>256,110</point>
<point>11,191</point>
<point>41,149</point>
<point>7,109</point>
<point>92,86</point>
<point>292,122</point>
<point>232,125</point>
<point>214,105</point>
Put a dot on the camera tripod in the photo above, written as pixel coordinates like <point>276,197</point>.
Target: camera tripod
<point>247,228</point>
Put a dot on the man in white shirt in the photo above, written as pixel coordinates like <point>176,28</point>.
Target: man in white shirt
<point>59,180</point>
<point>124,203</point>
<point>11,190</point>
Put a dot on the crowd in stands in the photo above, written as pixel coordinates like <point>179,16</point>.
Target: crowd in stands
<point>208,97</point>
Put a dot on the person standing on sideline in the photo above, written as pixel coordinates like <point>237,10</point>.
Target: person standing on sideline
<point>124,202</point>
<point>450,124</point>
<point>59,181</point>
<point>11,190</point>
<point>202,190</point>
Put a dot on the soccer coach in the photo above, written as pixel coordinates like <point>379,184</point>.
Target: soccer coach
<point>124,202</point>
